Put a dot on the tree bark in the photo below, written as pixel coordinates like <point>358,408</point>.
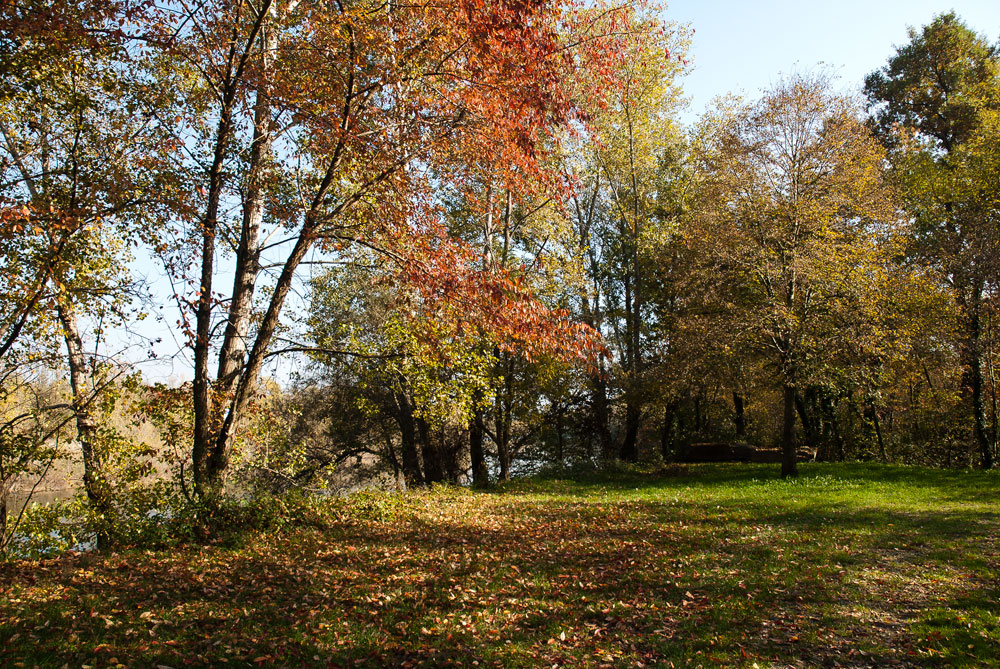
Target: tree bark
<point>502,422</point>
<point>995,427</point>
<point>408,441</point>
<point>808,424</point>
<point>452,446</point>
<point>503,450</point>
<point>668,435</point>
<point>974,381</point>
<point>697,413</point>
<point>838,438</point>
<point>630,446</point>
<point>872,412</point>
<point>3,514</point>
<point>233,352</point>
<point>433,469</point>
<point>94,482</point>
<point>601,416</point>
<point>560,446</point>
<point>477,456</point>
<point>207,464</point>
<point>739,415</point>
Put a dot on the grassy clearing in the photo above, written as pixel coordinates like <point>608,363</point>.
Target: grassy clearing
<point>853,565</point>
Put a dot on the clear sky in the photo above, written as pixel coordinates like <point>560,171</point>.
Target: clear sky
<point>743,47</point>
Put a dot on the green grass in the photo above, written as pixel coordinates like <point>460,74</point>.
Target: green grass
<point>856,565</point>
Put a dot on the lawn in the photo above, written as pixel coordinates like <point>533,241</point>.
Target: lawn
<point>712,565</point>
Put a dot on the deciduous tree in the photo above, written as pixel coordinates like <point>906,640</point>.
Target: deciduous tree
<point>797,215</point>
<point>936,104</point>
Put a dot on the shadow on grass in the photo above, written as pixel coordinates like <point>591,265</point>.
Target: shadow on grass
<point>570,576</point>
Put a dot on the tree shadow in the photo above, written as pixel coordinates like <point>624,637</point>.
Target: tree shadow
<point>510,580</point>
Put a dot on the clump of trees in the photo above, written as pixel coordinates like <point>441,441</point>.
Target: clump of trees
<point>487,243</point>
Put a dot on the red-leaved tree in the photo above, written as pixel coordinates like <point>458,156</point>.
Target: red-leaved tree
<point>315,127</point>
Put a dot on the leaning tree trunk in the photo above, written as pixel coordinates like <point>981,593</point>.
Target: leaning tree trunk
<point>94,481</point>
<point>871,412</point>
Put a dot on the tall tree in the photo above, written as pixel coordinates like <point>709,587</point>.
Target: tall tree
<point>793,203</point>
<point>935,105</point>
<point>81,186</point>
<point>616,212</point>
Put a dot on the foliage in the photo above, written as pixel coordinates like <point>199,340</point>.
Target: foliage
<point>935,105</point>
<point>800,220</point>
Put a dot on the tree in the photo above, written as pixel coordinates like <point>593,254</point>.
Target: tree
<point>795,211</point>
<point>935,105</point>
<point>80,188</point>
<point>618,171</point>
<point>369,332</point>
<point>329,119</point>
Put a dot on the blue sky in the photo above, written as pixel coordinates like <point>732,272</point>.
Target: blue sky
<point>743,47</point>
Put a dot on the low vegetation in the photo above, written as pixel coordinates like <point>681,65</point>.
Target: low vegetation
<point>861,565</point>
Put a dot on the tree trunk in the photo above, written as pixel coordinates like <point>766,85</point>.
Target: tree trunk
<point>503,448</point>
<point>697,413</point>
<point>739,415</point>
<point>668,435</point>
<point>601,416</point>
<point>633,404</point>
<point>974,381</point>
<point>838,437</point>
<point>789,463</point>
<point>433,469</point>
<point>217,414</point>
<point>808,424</point>
<point>477,456</point>
<point>3,515</point>
<point>410,460</point>
<point>876,424</point>
<point>825,450</point>
<point>503,407</point>
<point>233,351</point>
<point>452,445</point>
<point>560,454</point>
<point>630,446</point>
<point>993,390</point>
<point>94,482</point>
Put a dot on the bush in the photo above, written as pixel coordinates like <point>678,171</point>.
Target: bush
<point>159,516</point>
